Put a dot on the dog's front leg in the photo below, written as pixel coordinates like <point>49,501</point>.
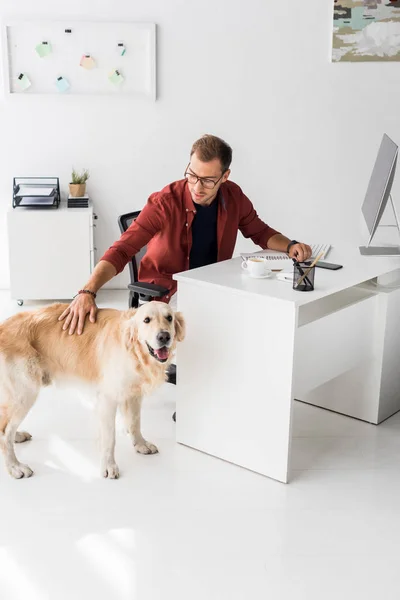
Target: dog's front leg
<point>107,408</point>
<point>131,410</point>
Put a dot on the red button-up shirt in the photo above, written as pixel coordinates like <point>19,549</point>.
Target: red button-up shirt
<point>165,225</point>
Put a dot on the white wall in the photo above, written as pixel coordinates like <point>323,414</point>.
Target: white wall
<point>304,131</point>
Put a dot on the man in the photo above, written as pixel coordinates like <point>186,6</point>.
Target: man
<point>190,223</point>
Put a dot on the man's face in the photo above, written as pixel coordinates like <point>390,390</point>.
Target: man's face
<point>210,171</point>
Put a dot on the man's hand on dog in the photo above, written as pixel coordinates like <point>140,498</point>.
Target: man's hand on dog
<point>75,315</point>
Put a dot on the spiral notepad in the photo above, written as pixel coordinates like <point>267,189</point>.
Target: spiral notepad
<point>279,260</point>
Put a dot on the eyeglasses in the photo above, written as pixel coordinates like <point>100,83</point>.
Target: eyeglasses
<point>207,183</point>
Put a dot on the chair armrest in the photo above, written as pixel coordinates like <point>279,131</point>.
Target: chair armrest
<point>148,289</point>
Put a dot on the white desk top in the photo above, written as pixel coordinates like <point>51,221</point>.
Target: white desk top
<point>356,270</point>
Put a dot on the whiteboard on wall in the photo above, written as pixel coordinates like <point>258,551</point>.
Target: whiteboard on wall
<point>123,55</point>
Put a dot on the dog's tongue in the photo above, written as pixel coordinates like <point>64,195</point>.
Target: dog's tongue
<point>162,353</point>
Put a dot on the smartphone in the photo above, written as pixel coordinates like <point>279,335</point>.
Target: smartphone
<point>327,265</point>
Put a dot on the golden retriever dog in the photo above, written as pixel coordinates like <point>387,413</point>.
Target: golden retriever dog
<point>124,355</point>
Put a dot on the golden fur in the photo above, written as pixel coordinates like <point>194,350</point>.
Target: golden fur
<point>117,354</point>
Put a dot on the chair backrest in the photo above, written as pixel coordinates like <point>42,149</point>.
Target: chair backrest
<point>124,221</point>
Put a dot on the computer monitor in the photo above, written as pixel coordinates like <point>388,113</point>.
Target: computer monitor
<point>377,196</point>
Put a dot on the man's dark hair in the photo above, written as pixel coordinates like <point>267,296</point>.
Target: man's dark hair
<point>209,147</point>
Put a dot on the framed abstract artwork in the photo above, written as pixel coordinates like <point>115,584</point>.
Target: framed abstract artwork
<point>366,30</point>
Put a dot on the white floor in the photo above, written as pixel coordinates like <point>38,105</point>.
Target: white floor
<point>181,525</point>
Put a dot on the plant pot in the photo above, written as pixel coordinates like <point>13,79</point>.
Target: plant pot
<point>77,190</point>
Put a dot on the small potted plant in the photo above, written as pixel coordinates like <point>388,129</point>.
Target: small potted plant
<point>77,187</point>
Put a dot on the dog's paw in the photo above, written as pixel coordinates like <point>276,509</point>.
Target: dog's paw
<point>22,436</point>
<point>111,471</point>
<point>146,448</point>
<point>18,471</point>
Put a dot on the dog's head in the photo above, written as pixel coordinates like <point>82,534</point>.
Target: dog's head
<point>157,327</point>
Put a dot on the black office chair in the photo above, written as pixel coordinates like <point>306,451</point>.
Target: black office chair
<point>141,291</point>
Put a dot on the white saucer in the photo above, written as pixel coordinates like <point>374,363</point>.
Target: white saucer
<point>260,276</point>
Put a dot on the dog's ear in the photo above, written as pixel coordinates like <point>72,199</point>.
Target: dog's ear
<point>180,327</point>
<point>131,332</point>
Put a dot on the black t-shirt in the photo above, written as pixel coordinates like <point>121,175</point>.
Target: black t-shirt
<point>204,236</point>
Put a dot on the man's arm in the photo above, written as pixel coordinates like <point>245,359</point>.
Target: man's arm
<point>265,236</point>
<point>113,261</point>
<point>278,242</point>
<point>297,251</point>
<point>150,221</point>
<point>103,272</point>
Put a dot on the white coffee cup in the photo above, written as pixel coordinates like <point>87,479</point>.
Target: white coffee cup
<point>256,266</point>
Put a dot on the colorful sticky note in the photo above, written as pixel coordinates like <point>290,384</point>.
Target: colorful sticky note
<point>87,62</point>
<point>43,49</point>
<point>121,49</point>
<point>115,77</point>
<point>23,81</point>
<point>62,84</point>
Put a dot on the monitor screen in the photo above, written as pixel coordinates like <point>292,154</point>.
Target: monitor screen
<point>380,184</point>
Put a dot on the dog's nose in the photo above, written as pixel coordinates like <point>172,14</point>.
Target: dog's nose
<point>163,337</point>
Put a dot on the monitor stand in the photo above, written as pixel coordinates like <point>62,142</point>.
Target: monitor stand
<point>383,250</point>
<point>380,250</point>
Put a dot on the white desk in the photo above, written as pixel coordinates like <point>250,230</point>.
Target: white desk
<point>253,345</point>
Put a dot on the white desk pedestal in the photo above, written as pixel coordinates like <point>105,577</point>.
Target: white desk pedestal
<point>235,378</point>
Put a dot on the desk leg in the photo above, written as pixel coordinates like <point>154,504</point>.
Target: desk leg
<point>235,371</point>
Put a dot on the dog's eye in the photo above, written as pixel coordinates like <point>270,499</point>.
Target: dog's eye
<point>169,318</point>
<point>146,320</point>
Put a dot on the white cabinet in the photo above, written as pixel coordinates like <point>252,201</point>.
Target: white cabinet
<point>51,251</point>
